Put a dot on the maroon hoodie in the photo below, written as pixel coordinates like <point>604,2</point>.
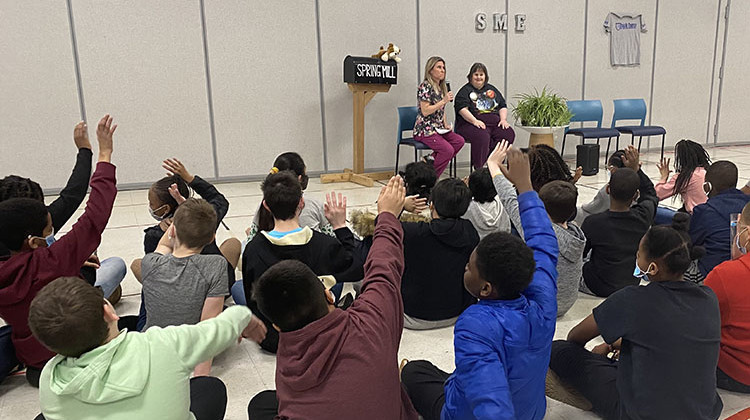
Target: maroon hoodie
<point>344,365</point>
<point>24,274</point>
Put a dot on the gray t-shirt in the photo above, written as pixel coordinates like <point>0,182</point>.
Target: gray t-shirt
<point>174,289</point>
<point>624,38</point>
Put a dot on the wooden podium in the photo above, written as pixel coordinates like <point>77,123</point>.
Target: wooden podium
<point>365,77</point>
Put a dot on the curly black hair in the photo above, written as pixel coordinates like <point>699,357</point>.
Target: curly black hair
<point>14,186</point>
<point>547,165</point>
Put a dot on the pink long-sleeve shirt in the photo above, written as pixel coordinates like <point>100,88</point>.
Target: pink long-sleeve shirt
<point>692,196</point>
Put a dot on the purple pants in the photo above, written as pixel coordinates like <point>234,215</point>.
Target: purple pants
<point>444,146</point>
<point>483,140</point>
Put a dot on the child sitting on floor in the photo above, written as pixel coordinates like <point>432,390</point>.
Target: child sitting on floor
<point>690,163</point>
<point>485,212</point>
<point>101,372</point>
<point>333,363</point>
<point>709,226</point>
<point>729,280</point>
<point>180,285</point>
<point>164,197</point>
<point>282,196</point>
<point>612,237</point>
<point>600,202</point>
<point>667,334</point>
<point>559,198</point>
<point>502,343</point>
<point>24,226</point>
<point>436,254</point>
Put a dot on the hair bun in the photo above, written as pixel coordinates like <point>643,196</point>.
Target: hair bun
<point>681,222</point>
<point>697,252</point>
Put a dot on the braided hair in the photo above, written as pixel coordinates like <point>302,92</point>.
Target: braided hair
<point>688,156</point>
<point>547,165</point>
<point>14,186</point>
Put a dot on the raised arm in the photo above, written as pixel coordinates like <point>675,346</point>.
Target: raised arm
<point>647,201</point>
<point>204,188</point>
<point>477,367</point>
<point>505,189</point>
<point>665,187</point>
<point>538,233</point>
<point>71,197</point>
<point>380,300</point>
<point>72,250</point>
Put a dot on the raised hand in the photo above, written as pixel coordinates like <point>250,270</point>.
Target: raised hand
<point>495,161</point>
<point>518,171</point>
<point>335,210</point>
<point>175,167</point>
<point>81,136</point>
<point>415,204</point>
<point>631,159</point>
<point>104,131</point>
<point>577,175</point>
<point>392,196</point>
<point>175,193</point>
<point>664,170</point>
<point>255,330</point>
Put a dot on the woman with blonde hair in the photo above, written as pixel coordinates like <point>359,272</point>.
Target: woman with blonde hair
<point>431,127</point>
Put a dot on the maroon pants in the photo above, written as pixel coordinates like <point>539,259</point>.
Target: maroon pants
<point>483,140</point>
<point>444,146</point>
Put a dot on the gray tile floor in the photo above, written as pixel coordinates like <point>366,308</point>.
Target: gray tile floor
<point>245,368</point>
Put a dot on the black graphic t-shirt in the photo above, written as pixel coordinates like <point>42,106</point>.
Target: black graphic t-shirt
<point>479,101</point>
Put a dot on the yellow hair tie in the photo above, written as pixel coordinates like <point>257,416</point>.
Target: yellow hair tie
<point>274,170</point>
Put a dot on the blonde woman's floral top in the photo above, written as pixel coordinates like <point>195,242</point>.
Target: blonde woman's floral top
<point>426,125</point>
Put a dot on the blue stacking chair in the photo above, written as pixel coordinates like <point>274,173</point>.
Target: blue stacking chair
<point>590,111</point>
<point>407,116</point>
<point>635,109</point>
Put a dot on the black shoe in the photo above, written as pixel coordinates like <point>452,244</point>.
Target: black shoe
<point>429,159</point>
<point>345,301</point>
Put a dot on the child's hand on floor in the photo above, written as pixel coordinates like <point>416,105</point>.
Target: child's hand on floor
<point>81,136</point>
<point>414,204</point>
<point>631,159</point>
<point>175,167</point>
<point>335,210</point>
<point>495,161</point>
<point>255,330</point>
<point>518,171</point>
<point>392,196</point>
<point>104,132</point>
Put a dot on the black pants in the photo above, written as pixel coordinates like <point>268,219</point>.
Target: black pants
<point>725,381</point>
<point>208,398</point>
<point>593,375</point>
<point>263,406</point>
<point>425,384</point>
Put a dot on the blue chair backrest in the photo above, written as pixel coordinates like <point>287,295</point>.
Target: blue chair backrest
<point>584,111</point>
<point>407,117</point>
<point>629,109</point>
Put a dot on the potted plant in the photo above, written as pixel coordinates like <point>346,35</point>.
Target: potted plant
<point>541,114</point>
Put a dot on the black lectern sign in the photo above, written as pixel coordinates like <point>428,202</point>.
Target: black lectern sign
<point>369,70</point>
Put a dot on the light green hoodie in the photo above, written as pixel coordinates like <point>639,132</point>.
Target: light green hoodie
<point>137,375</point>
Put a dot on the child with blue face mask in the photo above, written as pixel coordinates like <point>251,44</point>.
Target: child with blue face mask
<point>729,280</point>
<point>659,329</point>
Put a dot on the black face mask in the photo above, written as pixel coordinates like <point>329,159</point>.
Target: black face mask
<point>304,180</point>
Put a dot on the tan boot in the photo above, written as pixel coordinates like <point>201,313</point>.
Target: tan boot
<point>116,295</point>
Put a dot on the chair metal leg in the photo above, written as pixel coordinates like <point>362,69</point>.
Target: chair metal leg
<point>640,139</point>
<point>562,149</point>
<point>606,154</point>
<point>398,149</point>
<point>415,154</point>
<point>663,138</point>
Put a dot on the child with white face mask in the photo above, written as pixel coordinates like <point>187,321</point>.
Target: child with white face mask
<point>729,280</point>
<point>658,329</point>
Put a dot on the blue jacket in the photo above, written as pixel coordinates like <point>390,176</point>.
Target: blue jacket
<point>503,346</point>
<point>709,227</point>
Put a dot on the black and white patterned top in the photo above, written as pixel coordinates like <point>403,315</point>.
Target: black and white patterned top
<point>427,125</point>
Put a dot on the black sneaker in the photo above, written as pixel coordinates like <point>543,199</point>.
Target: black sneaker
<point>429,159</point>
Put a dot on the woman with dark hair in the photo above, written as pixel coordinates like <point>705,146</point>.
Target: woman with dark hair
<point>690,163</point>
<point>481,115</point>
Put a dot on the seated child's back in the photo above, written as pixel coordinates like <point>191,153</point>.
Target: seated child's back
<point>486,211</point>
<point>436,254</point>
<point>177,278</point>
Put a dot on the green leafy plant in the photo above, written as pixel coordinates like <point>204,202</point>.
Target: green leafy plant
<point>545,109</point>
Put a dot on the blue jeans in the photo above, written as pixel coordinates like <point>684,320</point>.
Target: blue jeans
<point>8,360</point>
<point>110,274</point>
<point>238,292</point>
<point>663,216</point>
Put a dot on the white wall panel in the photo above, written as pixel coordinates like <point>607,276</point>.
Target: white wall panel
<point>264,77</point>
<point>359,28</point>
<point>39,105</point>
<point>548,53</point>
<point>142,61</point>
<point>682,81</point>
<point>447,30</point>
<point>606,82</point>
<point>735,94</point>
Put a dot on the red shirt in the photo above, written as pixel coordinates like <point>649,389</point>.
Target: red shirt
<point>730,281</point>
<point>24,274</point>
